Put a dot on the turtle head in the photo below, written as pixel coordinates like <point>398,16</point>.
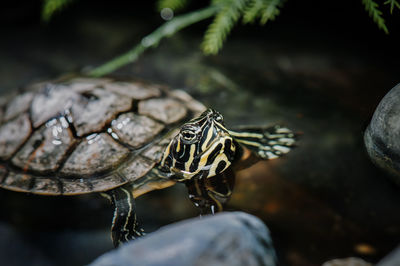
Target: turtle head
<point>203,148</point>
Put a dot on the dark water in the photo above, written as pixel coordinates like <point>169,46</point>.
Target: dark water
<point>323,200</point>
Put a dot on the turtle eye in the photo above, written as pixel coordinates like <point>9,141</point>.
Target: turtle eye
<point>188,135</point>
<point>219,118</point>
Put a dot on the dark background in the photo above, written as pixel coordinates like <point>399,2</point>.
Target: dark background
<point>336,26</point>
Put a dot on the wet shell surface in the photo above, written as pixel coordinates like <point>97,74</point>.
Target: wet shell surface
<point>86,135</point>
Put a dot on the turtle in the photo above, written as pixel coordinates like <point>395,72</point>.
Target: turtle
<point>123,138</point>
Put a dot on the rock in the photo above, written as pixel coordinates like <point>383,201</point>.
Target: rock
<point>224,239</point>
<point>383,133</point>
<point>392,259</point>
<point>347,262</point>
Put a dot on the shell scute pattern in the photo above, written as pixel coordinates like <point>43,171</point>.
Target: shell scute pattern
<point>46,147</point>
<point>135,129</point>
<point>86,135</point>
<point>13,133</point>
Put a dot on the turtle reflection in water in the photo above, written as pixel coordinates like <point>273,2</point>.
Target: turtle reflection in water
<point>124,139</point>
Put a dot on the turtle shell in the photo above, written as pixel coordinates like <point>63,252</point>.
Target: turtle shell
<point>87,135</point>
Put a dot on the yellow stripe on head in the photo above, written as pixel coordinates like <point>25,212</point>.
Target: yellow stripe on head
<point>200,148</point>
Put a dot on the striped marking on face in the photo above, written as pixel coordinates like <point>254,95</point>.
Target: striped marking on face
<point>220,163</point>
<point>208,133</point>
<point>192,150</point>
<point>209,155</point>
<point>214,158</point>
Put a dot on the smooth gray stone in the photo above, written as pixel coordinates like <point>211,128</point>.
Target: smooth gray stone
<point>352,261</point>
<point>383,134</point>
<point>224,239</point>
<point>392,259</point>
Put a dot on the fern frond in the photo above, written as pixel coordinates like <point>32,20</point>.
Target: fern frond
<point>393,4</point>
<point>228,15</point>
<point>252,11</point>
<point>373,10</point>
<point>50,7</point>
<point>270,10</point>
<point>175,5</point>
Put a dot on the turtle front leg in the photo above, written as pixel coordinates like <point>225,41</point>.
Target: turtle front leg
<point>266,143</point>
<point>211,194</point>
<point>124,224</point>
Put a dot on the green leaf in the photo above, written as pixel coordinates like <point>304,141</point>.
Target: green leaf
<point>252,11</point>
<point>373,10</point>
<point>270,10</point>
<point>175,5</point>
<point>167,29</point>
<point>392,3</point>
<point>228,15</point>
<point>50,7</point>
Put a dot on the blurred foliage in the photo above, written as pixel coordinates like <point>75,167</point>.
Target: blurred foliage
<point>175,5</point>
<point>167,29</point>
<point>227,16</point>
<point>230,11</point>
<point>373,10</point>
<point>50,7</point>
<point>392,3</point>
<point>225,13</point>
